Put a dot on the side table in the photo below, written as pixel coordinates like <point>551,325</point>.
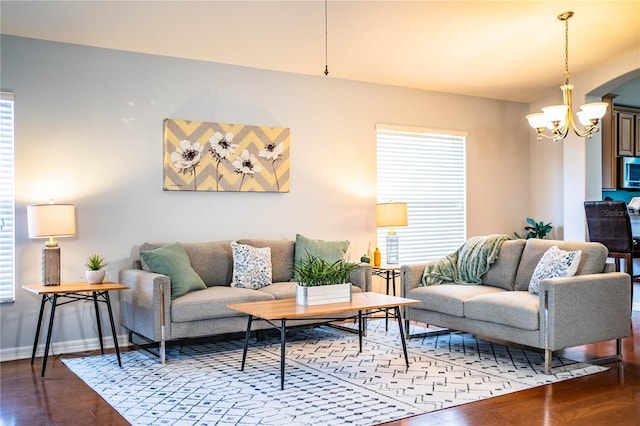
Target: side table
<point>389,273</point>
<point>73,292</point>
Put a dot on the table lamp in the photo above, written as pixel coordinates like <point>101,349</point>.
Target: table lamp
<point>390,215</point>
<point>49,221</point>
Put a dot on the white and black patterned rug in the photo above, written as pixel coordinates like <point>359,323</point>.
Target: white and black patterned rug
<point>327,381</point>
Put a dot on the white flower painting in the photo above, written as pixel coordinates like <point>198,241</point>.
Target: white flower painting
<point>220,157</point>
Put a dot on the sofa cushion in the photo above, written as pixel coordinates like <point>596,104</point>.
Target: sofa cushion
<point>518,309</point>
<point>502,272</point>
<point>213,261</point>
<point>554,263</point>
<point>448,298</point>
<point>331,251</point>
<point>212,303</point>
<point>172,260</point>
<point>287,290</point>
<point>251,266</point>
<point>592,260</point>
<point>282,252</point>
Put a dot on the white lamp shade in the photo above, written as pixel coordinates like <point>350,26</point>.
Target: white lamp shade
<point>595,110</point>
<point>391,214</point>
<point>583,118</point>
<point>51,220</point>
<point>537,120</point>
<point>555,112</point>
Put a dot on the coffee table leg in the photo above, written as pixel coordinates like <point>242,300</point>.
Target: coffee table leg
<point>404,343</point>
<point>246,342</point>
<point>360,330</point>
<point>283,339</point>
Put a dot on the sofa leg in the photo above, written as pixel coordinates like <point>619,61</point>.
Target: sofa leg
<point>548,354</point>
<point>619,348</point>
<point>163,343</point>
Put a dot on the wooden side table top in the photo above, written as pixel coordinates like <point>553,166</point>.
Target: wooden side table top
<point>76,287</point>
<point>287,308</point>
<point>386,268</point>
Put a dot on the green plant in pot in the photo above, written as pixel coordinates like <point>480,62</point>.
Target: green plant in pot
<point>315,271</point>
<point>535,230</point>
<point>95,269</point>
<point>321,281</point>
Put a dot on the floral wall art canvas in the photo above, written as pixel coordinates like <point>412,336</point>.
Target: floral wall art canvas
<point>201,156</point>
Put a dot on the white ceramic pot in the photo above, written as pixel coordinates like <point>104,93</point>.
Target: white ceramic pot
<point>324,294</point>
<point>95,277</point>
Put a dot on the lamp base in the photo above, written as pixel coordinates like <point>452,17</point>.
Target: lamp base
<point>51,265</point>
<point>393,250</point>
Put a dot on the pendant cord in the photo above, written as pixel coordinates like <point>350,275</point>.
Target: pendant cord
<point>326,49</point>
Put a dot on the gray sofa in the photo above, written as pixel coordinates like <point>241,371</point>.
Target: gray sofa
<point>148,309</point>
<point>592,306</point>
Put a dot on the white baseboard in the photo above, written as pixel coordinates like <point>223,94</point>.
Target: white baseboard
<point>57,348</point>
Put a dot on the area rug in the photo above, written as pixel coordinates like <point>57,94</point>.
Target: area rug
<point>327,381</point>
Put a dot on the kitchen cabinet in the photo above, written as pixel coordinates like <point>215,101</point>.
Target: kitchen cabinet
<point>627,131</point>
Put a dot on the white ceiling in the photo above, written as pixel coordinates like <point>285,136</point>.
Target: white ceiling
<point>511,50</point>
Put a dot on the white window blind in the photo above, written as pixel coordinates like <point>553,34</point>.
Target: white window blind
<point>426,169</point>
<point>7,210</point>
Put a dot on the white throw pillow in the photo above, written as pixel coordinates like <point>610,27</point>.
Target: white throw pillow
<point>251,266</point>
<point>554,263</point>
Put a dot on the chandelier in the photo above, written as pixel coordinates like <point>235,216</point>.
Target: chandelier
<point>559,118</point>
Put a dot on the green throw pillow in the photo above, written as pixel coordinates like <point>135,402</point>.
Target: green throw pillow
<point>331,251</point>
<point>172,260</point>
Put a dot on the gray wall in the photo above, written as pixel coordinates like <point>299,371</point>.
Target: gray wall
<point>89,132</point>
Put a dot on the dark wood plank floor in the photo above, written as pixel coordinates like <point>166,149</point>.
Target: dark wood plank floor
<point>608,398</point>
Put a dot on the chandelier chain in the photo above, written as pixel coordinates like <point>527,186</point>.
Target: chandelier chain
<point>566,51</point>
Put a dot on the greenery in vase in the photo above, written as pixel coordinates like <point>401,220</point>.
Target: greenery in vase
<point>315,271</point>
<point>536,230</point>
<point>95,262</point>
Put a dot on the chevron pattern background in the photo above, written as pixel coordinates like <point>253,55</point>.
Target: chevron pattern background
<point>201,156</point>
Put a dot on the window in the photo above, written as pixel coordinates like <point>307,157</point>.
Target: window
<point>7,210</point>
<point>426,169</point>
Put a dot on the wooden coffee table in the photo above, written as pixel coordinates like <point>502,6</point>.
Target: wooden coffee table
<point>280,311</point>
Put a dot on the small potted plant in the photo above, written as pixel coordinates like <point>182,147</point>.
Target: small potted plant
<point>320,281</point>
<point>95,272</point>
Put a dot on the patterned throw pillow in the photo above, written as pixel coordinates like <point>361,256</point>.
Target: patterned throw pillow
<point>251,266</point>
<point>554,263</point>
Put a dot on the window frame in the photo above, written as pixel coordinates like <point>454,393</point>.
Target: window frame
<point>436,221</point>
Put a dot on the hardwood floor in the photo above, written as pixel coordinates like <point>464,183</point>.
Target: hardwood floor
<point>608,398</point>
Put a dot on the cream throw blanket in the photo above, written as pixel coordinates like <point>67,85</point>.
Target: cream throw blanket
<point>467,264</point>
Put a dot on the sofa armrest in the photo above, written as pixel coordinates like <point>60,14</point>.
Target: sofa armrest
<point>361,277</point>
<point>585,309</point>
<point>141,306</point>
<point>411,276</point>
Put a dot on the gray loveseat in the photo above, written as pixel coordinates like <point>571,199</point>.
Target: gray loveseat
<point>148,310</point>
<point>592,306</point>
